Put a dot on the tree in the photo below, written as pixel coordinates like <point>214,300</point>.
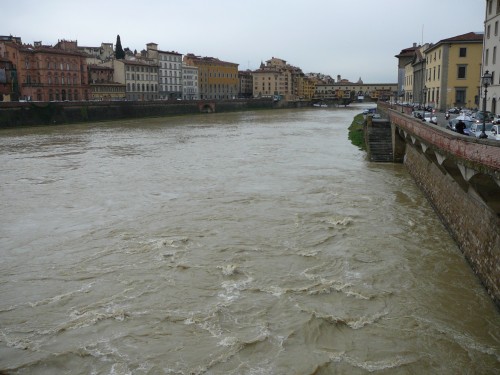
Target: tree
<point>119,52</point>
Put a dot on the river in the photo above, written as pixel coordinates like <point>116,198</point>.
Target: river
<point>236,243</point>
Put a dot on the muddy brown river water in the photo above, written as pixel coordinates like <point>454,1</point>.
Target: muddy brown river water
<point>238,243</point>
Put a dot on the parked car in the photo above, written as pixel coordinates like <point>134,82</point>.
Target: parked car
<point>468,124</point>
<point>425,116</point>
<point>477,128</point>
<point>454,110</point>
<point>479,116</point>
<point>495,132</point>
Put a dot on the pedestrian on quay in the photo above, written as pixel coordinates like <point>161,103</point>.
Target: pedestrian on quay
<point>460,126</point>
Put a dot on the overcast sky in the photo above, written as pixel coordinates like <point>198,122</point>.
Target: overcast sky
<point>351,38</point>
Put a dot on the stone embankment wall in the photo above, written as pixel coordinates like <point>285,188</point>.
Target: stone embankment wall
<point>33,113</point>
<point>468,205</point>
<point>473,225</point>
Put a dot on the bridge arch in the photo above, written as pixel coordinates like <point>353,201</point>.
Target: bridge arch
<point>206,107</point>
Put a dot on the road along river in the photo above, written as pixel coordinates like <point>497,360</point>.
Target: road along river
<point>237,243</point>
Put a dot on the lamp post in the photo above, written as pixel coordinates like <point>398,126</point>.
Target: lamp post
<point>424,90</point>
<point>485,81</point>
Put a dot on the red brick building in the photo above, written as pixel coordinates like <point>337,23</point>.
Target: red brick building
<point>8,88</point>
<point>48,73</point>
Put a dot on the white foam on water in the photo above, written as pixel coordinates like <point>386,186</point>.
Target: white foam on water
<point>228,269</point>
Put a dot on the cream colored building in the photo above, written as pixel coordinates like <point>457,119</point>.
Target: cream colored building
<point>491,48</point>
<point>408,84</point>
<point>190,82</point>
<point>139,76</point>
<point>276,78</point>
<point>405,57</point>
<point>452,72</point>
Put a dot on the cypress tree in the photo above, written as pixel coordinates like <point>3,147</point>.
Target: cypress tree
<point>119,52</point>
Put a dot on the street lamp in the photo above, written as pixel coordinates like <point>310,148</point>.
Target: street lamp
<point>423,100</point>
<point>485,81</point>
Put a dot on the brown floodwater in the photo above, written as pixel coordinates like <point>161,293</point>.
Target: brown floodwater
<point>238,243</point>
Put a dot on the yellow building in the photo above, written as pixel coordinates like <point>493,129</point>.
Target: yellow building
<point>453,71</point>
<point>216,79</point>
<point>306,87</point>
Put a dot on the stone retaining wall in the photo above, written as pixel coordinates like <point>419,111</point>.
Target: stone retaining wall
<point>34,113</point>
<point>472,223</point>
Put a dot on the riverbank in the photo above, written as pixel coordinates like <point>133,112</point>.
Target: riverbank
<point>16,114</point>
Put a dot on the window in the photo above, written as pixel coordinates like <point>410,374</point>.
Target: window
<point>494,57</point>
<point>462,72</point>
<point>488,29</point>
<point>496,25</point>
<point>463,52</point>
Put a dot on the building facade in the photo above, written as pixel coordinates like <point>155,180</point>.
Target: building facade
<point>103,53</point>
<point>217,79</point>
<point>190,82</point>
<point>8,81</point>
<point>405,57</point>
<point>276,78</point>
<point>306,87</point>
<point>139,76</point>
<point>453,71</point>
<point>245,84</point>
<point>102,84</point>
<point>169,71</point>
<point>491,49</point>
<point>418,76</point>
<point>48,73</point>
<point>345,90</point>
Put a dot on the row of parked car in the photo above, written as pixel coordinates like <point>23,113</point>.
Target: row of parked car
<point>473,122</point>
<point>425,115</point>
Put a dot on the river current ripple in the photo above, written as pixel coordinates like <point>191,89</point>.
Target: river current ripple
<point>238,243</point>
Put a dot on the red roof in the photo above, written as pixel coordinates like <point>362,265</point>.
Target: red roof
<point>469,37</point>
